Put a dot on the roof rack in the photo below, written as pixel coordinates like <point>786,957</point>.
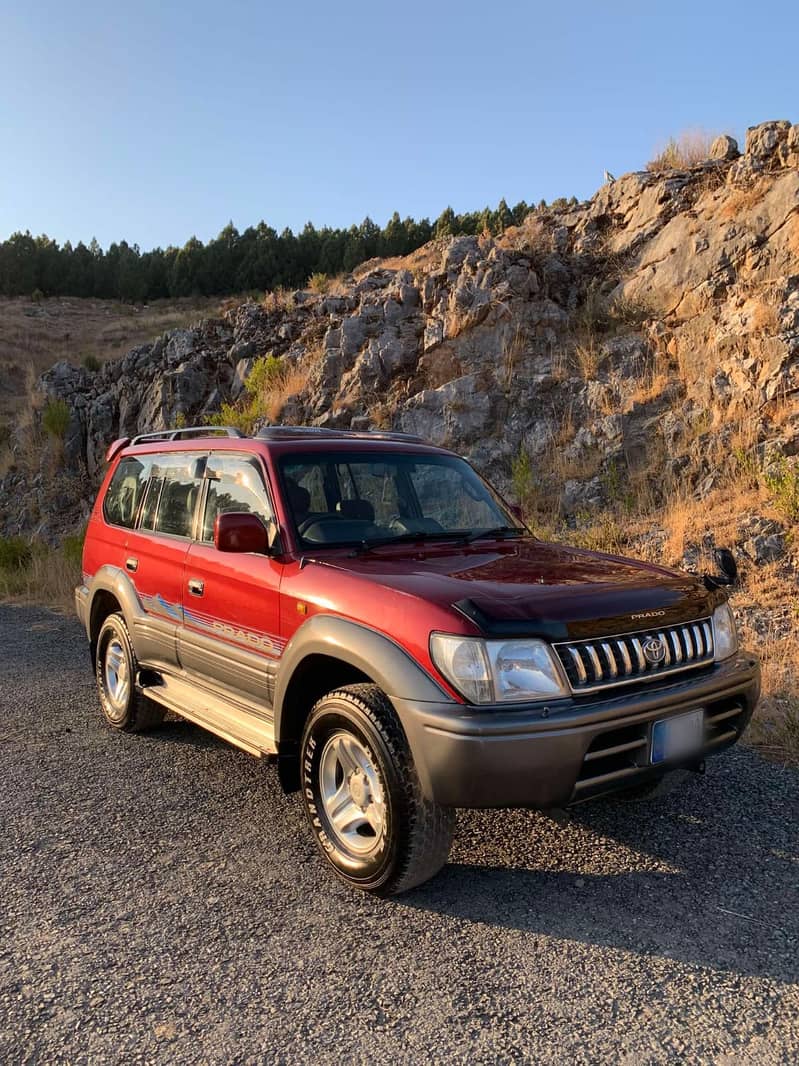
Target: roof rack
<point>188,433</point>
<point>298,432</point>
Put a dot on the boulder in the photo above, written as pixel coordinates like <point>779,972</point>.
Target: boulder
<point>724,148</point>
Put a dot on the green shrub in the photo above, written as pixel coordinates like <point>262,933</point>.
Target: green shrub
<point>55,418</point>
<point>266,372</point>
<point>91,362</point>
<point>242,418</point>
<point>782,481</point>
<point>15,553</point>
<point>523,479</point>
<point>37,296</point>
<point>72,548</point>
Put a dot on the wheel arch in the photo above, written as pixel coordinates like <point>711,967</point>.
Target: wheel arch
<point>103,604</point>
<point>327,653</point>
<point>110,591</point>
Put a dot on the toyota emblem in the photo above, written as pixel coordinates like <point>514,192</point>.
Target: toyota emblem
<point>654,650</point>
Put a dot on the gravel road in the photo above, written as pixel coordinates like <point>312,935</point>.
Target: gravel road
<point>161,901</point>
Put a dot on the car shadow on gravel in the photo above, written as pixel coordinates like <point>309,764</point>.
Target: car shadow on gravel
<point>180,731</point>
<point>708,875</point>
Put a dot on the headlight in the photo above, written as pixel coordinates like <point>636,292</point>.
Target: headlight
<point>498,671</point>
<point>725,635</point>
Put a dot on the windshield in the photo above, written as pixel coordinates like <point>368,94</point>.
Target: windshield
<point>356,498</point>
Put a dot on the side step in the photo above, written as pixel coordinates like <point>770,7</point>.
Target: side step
<point>228,719</point>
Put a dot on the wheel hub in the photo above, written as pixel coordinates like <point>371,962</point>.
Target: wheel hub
<point>352,794</point>
<point>117,680</point>
<point>359,789</point>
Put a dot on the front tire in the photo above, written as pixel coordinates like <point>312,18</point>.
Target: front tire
<point>123,707</point>
<point>363,798</point>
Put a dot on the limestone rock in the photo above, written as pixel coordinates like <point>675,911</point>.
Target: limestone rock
<point>724,147</point>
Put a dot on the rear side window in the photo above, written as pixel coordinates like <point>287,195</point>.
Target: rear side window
<point>172,494</point>
<point>126,490</point>
<point>234,484</point>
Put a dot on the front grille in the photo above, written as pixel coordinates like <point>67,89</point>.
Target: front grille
<point>623,660</point>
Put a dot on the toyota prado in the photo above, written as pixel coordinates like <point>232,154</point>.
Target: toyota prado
<point>366,609</point>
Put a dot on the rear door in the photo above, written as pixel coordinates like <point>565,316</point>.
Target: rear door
<point>155,552</point>
<point>230,635</point>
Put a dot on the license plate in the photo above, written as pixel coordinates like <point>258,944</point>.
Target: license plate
<point>675,738</point>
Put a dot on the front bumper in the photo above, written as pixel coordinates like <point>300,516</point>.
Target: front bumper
<point>568,750</point>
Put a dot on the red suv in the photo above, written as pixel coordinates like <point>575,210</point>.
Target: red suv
<point>364,607</point>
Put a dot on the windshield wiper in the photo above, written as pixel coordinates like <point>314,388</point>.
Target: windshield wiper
<point>411,538</point>
<point>497,531</point>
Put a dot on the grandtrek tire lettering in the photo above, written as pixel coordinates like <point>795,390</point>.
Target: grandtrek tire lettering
<point>363,798</point>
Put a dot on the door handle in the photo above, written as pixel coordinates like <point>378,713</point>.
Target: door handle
<point>132,565</point>
<point>196,588</point>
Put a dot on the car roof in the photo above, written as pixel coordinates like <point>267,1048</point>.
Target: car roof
<point>275,440</point>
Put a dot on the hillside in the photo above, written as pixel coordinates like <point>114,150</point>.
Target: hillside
<point>628,368</point>
<point>35,334</point>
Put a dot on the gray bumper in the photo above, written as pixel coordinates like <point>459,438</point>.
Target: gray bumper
<point>568,751</point>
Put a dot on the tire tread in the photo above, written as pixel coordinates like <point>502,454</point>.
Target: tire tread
<point>431,826</point>
<point>143,713</point>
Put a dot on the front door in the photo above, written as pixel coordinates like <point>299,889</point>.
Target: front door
<point>230,635</point>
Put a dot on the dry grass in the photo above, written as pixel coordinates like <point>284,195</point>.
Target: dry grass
<point>285,389</point>
<point>278,300</point>
<point>741,199</point>
<point>586,358</point>
<point>686,150</point>
<point>381,416</point>
<point>35,335</point>
<point>514,343</point>
<point>561,364</point>
<point>654,381</point>
<point>49,578</point>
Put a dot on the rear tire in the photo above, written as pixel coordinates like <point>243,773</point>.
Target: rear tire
<point>123,707</point>
<point>363,798</point>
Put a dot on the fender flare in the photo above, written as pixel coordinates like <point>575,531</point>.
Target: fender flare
<point>114,580</point>
<point>372,653</point>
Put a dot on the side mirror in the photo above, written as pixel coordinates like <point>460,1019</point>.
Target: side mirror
<point>517,512</point>
<point>728,570</point>
<point>238,531</point>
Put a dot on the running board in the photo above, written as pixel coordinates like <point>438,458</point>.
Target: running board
<point>233,722</point>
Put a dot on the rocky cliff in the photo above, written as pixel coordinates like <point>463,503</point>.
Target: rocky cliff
<point>646,341</point>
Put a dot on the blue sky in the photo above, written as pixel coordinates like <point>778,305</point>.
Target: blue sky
<point>162,120</point>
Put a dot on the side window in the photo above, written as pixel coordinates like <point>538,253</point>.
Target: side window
<point>235,483</point>
<point>125,491</point>
<point>172,494</point>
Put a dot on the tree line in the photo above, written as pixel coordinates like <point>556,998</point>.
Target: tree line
<point>234,262</point>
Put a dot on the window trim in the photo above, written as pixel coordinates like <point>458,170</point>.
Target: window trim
<point>252,459</point>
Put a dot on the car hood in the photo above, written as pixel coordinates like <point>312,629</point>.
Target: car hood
<point>539,589</point>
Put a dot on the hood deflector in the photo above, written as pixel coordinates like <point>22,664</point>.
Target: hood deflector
<point>499,627</point>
